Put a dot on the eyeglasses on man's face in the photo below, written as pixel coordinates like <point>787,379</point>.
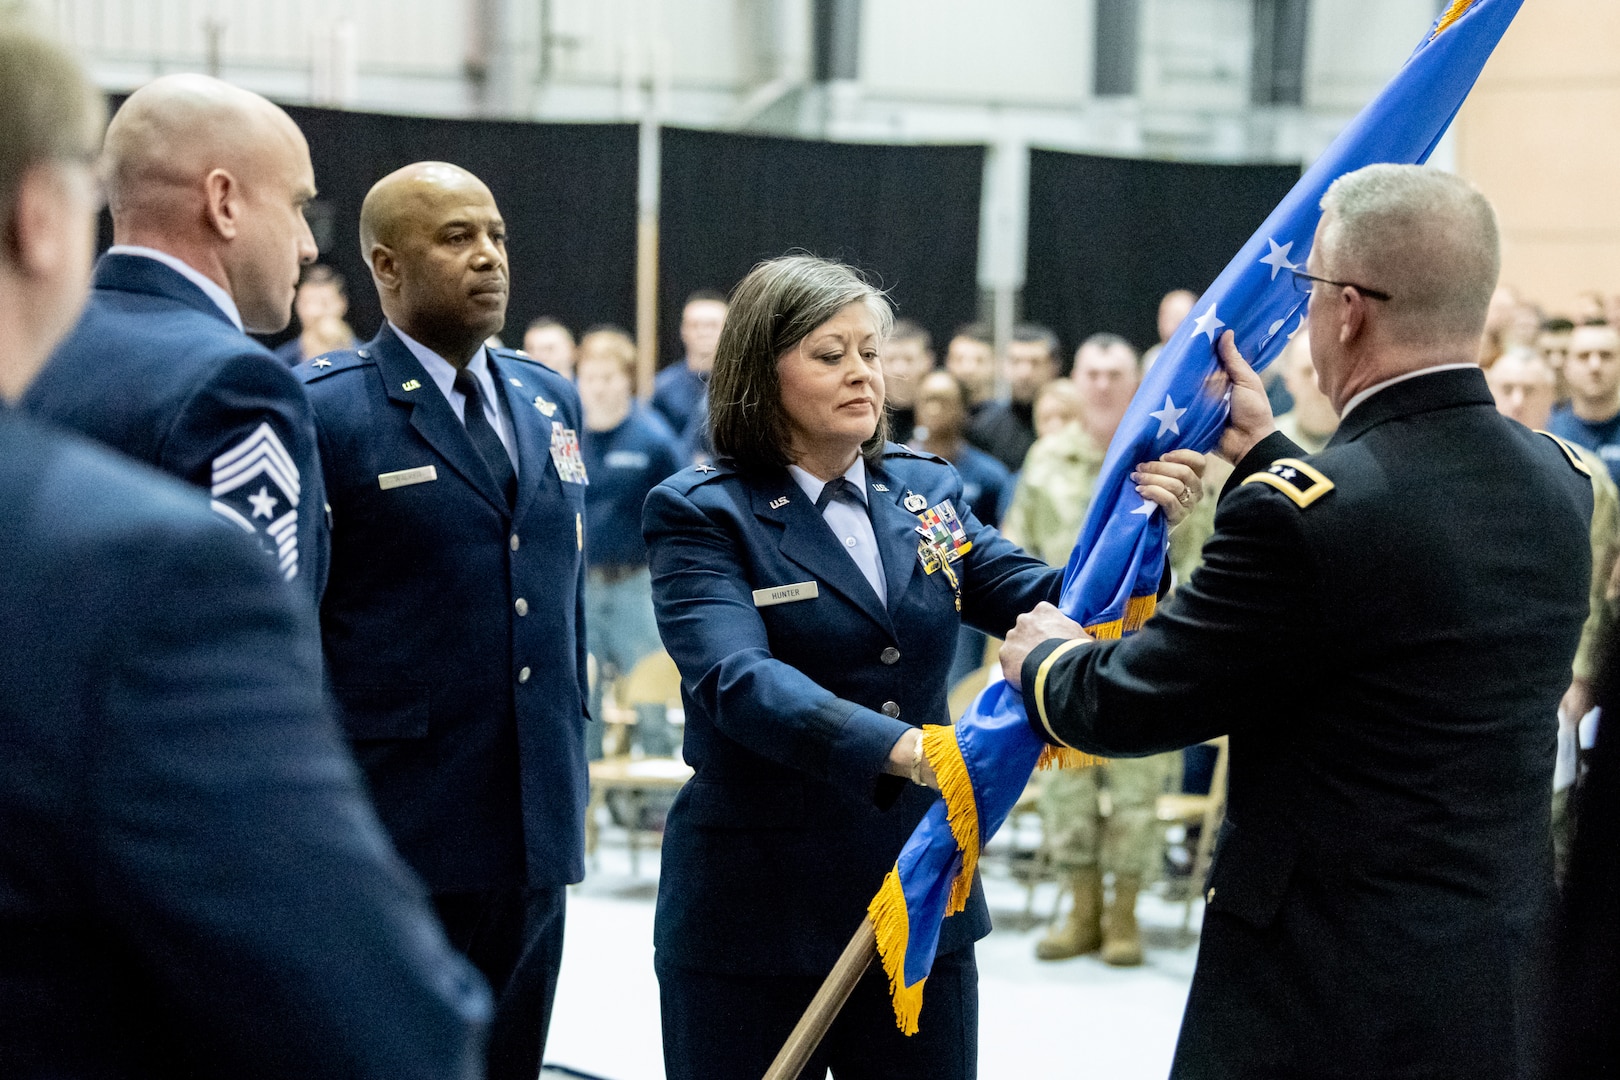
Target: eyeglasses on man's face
<point>1304,282</point>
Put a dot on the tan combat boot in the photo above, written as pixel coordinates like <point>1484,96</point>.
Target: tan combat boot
<point>1122,940</point>
<point>1082,933</point>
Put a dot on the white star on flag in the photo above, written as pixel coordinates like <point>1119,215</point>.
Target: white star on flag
<point>1278,258</point>
<point>1146,509</point>
<point>1167,418</point>
<point>1208,324</point>
<point>264,503</point>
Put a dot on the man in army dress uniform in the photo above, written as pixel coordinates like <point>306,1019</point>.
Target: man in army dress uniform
<point>1384,630</point>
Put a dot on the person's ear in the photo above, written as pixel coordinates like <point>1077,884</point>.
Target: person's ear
<point>38,239</point>
<point>222,203</point>
<point>1355,316</point>
<point>384,267</point>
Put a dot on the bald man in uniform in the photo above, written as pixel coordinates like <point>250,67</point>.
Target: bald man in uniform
<point>207,184</point>
<point>453,624</point>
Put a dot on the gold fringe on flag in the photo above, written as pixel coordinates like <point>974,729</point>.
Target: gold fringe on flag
<point>961,808</point>
<point>1067,757</point>
<point>1457,10</point>
<point>1138,610</point>
<point>893,926</point>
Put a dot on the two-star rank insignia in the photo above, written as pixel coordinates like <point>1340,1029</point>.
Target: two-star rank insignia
<point>1295,479</point>
<point>319,362</point>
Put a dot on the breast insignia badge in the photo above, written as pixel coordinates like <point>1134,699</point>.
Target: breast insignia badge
<point>547,408</point>
<point>915,503</point>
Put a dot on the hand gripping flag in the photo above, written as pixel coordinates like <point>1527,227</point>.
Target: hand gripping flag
<point>1109,586</point>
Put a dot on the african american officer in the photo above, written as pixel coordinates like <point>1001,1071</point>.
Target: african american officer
<point>813,632</point>
<point>453,622</point>
<point>207,185</point>
<point>191,880</point>
<point>1384,629</point>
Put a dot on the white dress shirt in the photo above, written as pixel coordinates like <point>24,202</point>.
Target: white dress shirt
<point>1387,383</point>
<point>850,524</point>
<point>443,374</point>
<point>210,288</point>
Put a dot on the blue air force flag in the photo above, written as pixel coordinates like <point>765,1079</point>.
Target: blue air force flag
<point>984,760</point>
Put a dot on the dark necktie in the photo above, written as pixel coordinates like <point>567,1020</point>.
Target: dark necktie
<point>838,489</point>
<point>484,440</point>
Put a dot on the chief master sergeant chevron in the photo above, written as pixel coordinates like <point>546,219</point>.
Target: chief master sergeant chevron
<point>1384,630</point>
<point>207,185</point>
<point>453,624</point>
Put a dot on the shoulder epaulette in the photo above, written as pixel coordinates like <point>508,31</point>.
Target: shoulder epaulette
<point>523,357</point>
<point>895,449</point>
<point>1286,475</point>
<point>697,475</point>
<point>1570,452</point>
<point>331,363</point>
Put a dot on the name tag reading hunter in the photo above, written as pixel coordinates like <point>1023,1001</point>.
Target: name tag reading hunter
<point>786,594</point>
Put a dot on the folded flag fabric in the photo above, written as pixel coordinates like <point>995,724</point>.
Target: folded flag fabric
<point>1109,585</point>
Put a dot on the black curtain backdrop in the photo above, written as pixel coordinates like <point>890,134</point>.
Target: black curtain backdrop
<point>907,215</point>
<point>567,192</point>
<point>1108,237</point>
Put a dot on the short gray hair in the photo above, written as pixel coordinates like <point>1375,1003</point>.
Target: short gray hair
<point>774,308</point>
<point>49,110</point>
<point>1426,237</point>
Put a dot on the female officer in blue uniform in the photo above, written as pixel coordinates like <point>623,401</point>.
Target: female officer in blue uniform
<point>813,637</point>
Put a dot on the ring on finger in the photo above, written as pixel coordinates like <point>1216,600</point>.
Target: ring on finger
<point>1185,498</point>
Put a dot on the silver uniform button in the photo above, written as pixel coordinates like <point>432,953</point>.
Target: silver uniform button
<point>891,655</point>
<point>513,543</point>
<point>522,606</point>
<point>891,708</point>
<point>523,674</point>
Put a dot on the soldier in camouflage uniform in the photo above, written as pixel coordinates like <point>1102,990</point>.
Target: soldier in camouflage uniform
<point>1053,494</point>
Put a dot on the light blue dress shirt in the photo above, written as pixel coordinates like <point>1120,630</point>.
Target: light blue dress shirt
<point>850,524</point>
<point>443,374</point>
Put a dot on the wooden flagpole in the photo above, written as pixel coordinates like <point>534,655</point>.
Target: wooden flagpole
<point>824,1007</point>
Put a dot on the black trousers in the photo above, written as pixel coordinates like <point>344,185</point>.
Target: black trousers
<point>730,1027</point>
<point>515,938</point>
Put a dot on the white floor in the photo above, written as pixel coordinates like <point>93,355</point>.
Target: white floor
<point>1077,1018</point>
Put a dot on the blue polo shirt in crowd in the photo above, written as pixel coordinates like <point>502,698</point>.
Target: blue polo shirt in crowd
<point>676,392</point>
<point>985,484</point>
<point>1603,439</point>
<point>623,465</point>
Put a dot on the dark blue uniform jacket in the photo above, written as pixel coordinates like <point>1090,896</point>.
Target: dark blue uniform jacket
<point>154,369</point>
<point>776,846</point>
<point>1384,630</point>
<point>192,883</point>
<point>453,626</point>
